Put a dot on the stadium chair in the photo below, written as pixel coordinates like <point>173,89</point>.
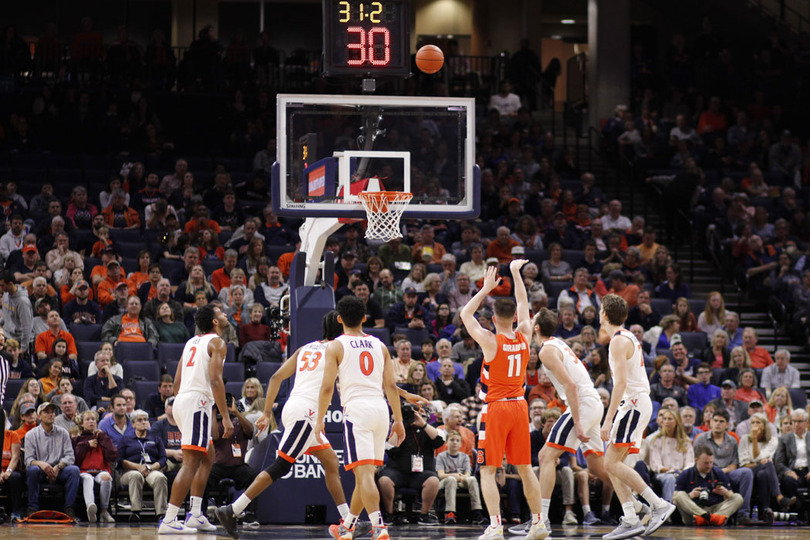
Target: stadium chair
<point>224,236</point>
<point>130,264</point>
<point>145,370</point>
<point>133,351</point>
<point>13,388</point>
<point>797,395</point>
<point>383,334</point>
<point>98,163</point>
<point>662,305</point>
<point>274,252</point>
<point>265,370</point>
<point>142,389</point>
<point>171,367</point>
<point>554,289</point>
<point>129,249</point>
<point>209,265</point>
<point>230,355</point>
<point>697,305</point>
<point>170,352</point>
<point>573,257</point>
<point>233,372</point>
<point>433,268</point>
<point>234,388</point>
<point>85,332</point>
<point>537,256</point>
<point>415,335</point>
<point>694,342</point>
<point>172,270</point>
<point>87,349</point>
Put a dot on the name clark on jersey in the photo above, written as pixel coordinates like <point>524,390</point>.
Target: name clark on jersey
<point>360,344</point>
<point>514,347</point>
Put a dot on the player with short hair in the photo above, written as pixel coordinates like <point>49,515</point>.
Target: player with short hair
<point>298,418</point>
<point>366,374</point>
<point>579,426</point>
<point>198,384</point>
<point>503,374</point>
<point>627,416</point>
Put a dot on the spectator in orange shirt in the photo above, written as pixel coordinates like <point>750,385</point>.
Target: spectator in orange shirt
<point>120,216</point>
<point>619,286</point>
<point>130,326</point>
<point>106,287</point>
<point>201,221</point>
<point>760,358</point>
<point>141,275</point>
<point>44,341</point>
<point>221,277</point>
<point>285,260</point>
<point>99,272</point>
<point>428,251</point>
<point>501,247</point>
<point>712,120</point>
<point>505,286</point>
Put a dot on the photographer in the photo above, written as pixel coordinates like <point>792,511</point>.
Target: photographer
<point>703,493</point>
<point>412,465</point>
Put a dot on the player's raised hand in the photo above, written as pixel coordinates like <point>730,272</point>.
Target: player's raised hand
<point>263,422</point>
<point>415,399</point>
<point>516,265</point>
<point>397,433</point>
<point>227,427</point>
<point>491,279</point>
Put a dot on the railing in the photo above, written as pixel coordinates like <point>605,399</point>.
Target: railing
<point>782,11</point>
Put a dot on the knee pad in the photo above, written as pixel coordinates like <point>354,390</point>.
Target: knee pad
<point>279,468</point>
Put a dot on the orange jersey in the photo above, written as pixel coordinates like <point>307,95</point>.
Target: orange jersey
<point>504,376</point>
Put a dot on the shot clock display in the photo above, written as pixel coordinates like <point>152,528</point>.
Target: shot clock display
<point>366,38</point>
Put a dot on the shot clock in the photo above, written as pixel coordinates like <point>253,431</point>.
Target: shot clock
<point>366,38</point>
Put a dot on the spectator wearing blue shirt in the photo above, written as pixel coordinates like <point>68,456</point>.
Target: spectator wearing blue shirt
<point>141,458</point>
<point>674,287</point>
<point>117,425</point>
<point>568,323</point>
<point>703,391</point>
<point>99,388</point>
<point>703,493</point>
<point>731,325</point>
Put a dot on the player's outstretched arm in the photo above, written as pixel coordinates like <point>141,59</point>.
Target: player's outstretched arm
<point>619,348</point>
<point>552,360</point>
<point>284,372</point>
<point>413,399</point>
<point>333,356</point>
<point>524,324</point>
<point>484,338</point>
<point>217,351</point>
<point>392,394</point>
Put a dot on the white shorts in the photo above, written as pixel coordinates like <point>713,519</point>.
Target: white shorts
<point>632,417</point>
<point>299,417</point>
<point>193,413</point>
<point>365,428</point>
<point>563,435</point>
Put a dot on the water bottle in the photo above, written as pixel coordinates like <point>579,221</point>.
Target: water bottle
<point>755,514</point>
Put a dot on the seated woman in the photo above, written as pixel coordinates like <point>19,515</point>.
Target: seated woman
<point>684,311</point>
<point>746,387</point>
<point>756,451</point>
<point>94,453</point>
<point>716,354</point>
<point>170,330</point>
<point>670,452</point>
<point>779,405</point>
<point>416,374</point>
<point>141,458</point>
<point>53,371</point>
<point>66,387</point>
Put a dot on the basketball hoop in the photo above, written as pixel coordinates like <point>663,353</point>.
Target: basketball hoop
<point>384,209</point>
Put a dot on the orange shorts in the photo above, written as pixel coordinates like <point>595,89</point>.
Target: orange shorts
<point>505,433</point>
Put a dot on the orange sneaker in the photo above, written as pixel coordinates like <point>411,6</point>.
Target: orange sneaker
<point>718,520</point>
<point>701,521</point>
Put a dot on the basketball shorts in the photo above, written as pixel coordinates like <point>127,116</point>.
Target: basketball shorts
<point>504,431</point>
<point>299,417</point>
<point>564,435</point>
<point>365,428</point>
<point>193,414</point>
<point>632,416</point>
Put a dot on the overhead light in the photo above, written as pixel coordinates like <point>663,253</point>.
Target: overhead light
<point>556,36</point>
<point>568,21</point>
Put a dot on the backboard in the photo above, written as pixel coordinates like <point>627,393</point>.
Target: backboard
<point>332,147</point>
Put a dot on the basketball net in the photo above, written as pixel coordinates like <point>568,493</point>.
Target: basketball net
<point>384,210</point>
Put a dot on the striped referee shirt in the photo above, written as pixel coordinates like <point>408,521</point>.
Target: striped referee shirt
<point>4,372</point>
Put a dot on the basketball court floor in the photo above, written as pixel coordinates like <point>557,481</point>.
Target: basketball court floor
<point>410,532</point>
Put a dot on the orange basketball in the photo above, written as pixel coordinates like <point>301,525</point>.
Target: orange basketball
<point>429,59</point>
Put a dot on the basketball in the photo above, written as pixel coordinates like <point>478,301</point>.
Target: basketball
<point>429,59</point>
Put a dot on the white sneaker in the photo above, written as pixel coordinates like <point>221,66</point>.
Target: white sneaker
<point>659,516</point>
<point>492,533</point>
<point>625,530</point>
<point>538,531</point>
<point>92,512</point>
<point>199,523</point>
<point>175,527</point>
<point>570,518</point>
<point>644,514</point>
<point>522,529</point>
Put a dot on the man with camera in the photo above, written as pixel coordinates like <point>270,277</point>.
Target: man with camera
<point>413,465</point>
<point>703,493</point>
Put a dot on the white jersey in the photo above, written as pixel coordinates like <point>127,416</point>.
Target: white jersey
<point>576,370</point>
<point>637,381</point>
<point>361,371</point>
<point>309,371</point>
<point>195,359</point>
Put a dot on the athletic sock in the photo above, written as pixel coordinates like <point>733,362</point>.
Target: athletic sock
<point>536,519</point>
<point>495,521</point>
<point>629,514</point>
<point>605,508</point>
<point>240,504</point>
<point>171,513</point>
<point>343,510</point>
<point>654,500</point>
<point>196,506</point>
<point>544,505</point>
<point>586,508</point>
<point>636,505</point>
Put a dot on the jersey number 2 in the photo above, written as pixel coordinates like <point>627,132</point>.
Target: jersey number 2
<point>366,363</point>
<point>309,360</point>
<point>190,362</point>
<point>514,365</point>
